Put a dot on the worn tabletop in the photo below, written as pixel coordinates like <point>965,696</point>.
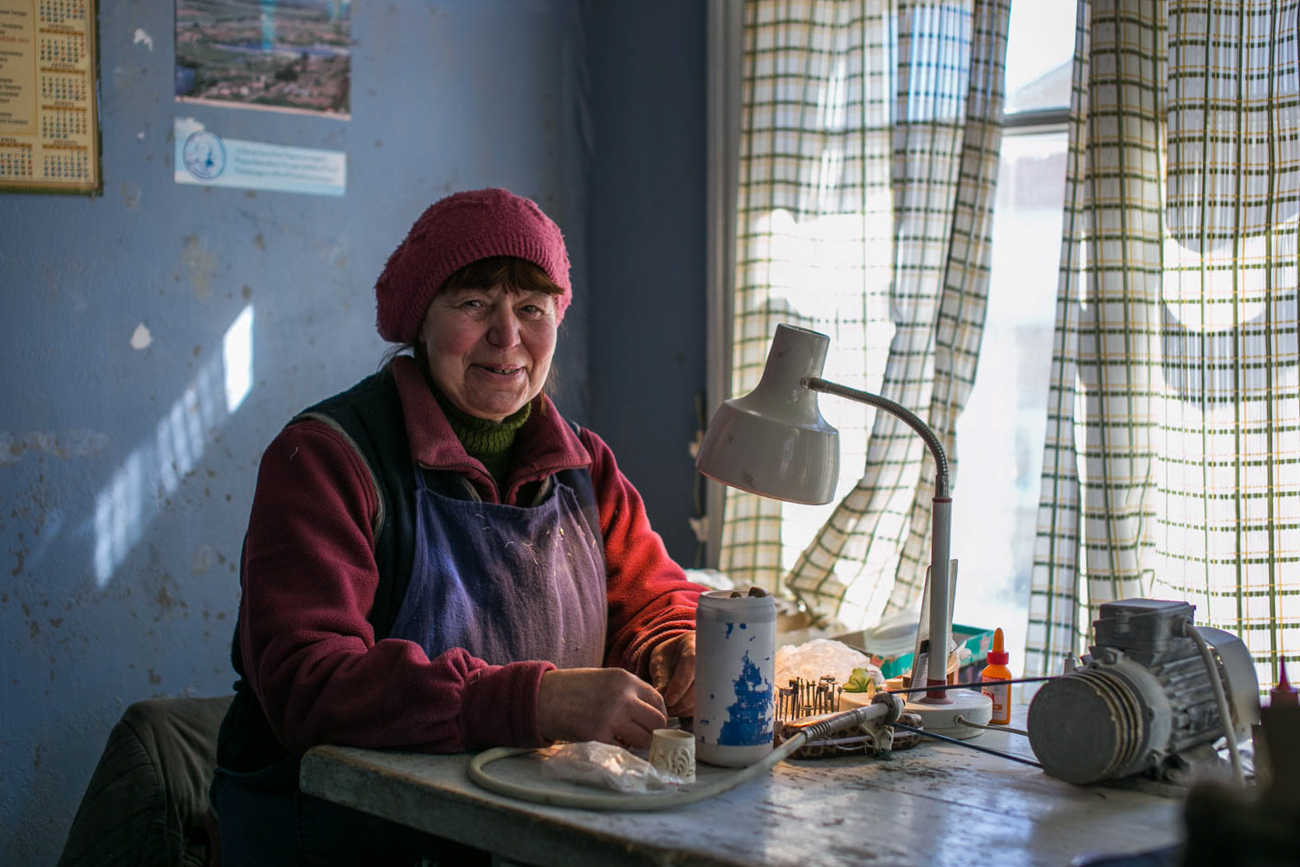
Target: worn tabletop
<point>936,804</point>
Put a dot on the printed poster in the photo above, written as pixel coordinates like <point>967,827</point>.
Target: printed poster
<point>277,55</point>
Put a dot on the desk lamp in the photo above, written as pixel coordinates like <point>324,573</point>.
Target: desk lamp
<point>774,442</point>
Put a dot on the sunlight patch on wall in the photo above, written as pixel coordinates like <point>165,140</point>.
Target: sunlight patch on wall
<point>237,353</point>
<point>126,506</point>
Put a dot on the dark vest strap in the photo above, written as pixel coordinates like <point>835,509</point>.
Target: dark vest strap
<point>369,415</point>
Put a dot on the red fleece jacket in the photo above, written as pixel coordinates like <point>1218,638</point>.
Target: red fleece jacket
<point>309,580</point>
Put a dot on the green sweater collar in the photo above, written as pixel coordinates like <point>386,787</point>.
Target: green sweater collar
<point>489,441</point>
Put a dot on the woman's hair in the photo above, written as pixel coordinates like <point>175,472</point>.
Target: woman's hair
<point>515,274</point>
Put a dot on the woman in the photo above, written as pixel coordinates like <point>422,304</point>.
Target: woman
<point>436,560</point>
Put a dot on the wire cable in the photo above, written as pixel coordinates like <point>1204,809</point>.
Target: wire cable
<point>668,800</point>
<point>967,744</point>
<point>1220,698</point>
<point>1001,728</point>
<point>613,800</point>
<point>975,685</point>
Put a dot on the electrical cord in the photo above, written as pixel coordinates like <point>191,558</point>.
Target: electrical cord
<point>890,708</point>
<point>975,685</point>
<point>1220,698</point>
<point>698,488</point>
<point>612,800</point>
<point>967,745</point>
<point>992,728</point>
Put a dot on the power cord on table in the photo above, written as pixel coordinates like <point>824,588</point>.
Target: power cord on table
<point>990,728</point>
<point>884,705</point>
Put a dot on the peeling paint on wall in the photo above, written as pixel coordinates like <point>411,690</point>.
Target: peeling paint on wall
<point>141,338</point>
<point>65,444</point>
<point>141,36</point>
<point>131,193</point>
<point>45,522</point>
<point>20,555</point>
<point>201,264</point>
<point>203,560</point>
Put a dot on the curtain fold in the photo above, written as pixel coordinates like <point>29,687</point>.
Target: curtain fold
<point>869,148</point>
<point>1170,465</point>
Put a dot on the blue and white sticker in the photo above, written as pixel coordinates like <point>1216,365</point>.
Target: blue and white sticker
<point>202,157</point>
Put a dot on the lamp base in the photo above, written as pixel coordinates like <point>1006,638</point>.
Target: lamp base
<point>975,707</point>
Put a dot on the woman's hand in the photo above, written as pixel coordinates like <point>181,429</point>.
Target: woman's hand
<point>598,704</point>
<point>672,671</point>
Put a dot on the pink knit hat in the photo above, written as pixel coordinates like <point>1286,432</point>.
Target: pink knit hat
<point>452,233</point>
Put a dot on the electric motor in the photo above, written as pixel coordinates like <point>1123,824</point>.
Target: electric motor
<point>1143,700</point>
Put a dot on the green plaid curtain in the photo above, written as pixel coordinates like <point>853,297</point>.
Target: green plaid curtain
<point>1173,443</point>
<point>869,137</point>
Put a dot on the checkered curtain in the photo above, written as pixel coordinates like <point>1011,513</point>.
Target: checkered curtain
<point>869,138</point>
<point>1172,462</point>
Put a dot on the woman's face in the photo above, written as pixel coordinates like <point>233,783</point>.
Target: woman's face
<point>489,350</point>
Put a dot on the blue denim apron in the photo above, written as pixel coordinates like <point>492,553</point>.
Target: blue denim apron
<point>507,583</point>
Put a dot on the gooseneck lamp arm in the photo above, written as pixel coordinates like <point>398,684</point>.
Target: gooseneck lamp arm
<point>940,537</point>
<point>908,417</point>
<point>774,442</point>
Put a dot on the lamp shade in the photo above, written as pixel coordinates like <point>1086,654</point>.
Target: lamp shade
<point>774,441</point>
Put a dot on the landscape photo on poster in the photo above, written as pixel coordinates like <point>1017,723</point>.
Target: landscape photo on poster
<point>282,55</point>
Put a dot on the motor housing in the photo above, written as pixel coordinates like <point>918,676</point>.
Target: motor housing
<point>1142,701</point>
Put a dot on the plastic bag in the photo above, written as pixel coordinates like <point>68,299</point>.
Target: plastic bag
<point>607,767</point>
<point>821,656</point>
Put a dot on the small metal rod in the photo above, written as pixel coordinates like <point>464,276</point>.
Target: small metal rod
<point>976,685</point>
<point>962,743</point>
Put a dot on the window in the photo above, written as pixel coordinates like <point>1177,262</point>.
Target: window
<point>777,257</point>
<point>1000,433</point>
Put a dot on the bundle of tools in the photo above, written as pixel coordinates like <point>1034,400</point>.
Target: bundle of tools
<point>804,703</point>
<point>807,698</point>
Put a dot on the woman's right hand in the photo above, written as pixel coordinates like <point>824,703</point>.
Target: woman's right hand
<point>610,705</point>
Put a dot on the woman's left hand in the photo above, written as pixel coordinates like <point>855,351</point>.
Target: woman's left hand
<point>672,672</point>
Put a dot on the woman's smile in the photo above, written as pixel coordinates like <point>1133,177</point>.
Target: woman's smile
<point>498,370</point>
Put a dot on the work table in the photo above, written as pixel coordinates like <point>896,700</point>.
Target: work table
<point>934,805</point>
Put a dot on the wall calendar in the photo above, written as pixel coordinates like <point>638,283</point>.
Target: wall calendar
<point>49,120</point>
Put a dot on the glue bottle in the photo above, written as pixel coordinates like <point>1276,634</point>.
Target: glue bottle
<point>1279,723</point>
<point>993,673</point>
<point>1284,694</point>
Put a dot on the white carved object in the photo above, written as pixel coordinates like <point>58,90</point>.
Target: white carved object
<point>673,752</point>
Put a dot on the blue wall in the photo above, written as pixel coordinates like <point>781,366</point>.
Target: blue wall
<point>124,478</point>
<point>646,243</point>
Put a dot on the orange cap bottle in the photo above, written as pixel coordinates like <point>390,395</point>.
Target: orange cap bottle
<point>1284,694</point>
<point>991,676</point>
